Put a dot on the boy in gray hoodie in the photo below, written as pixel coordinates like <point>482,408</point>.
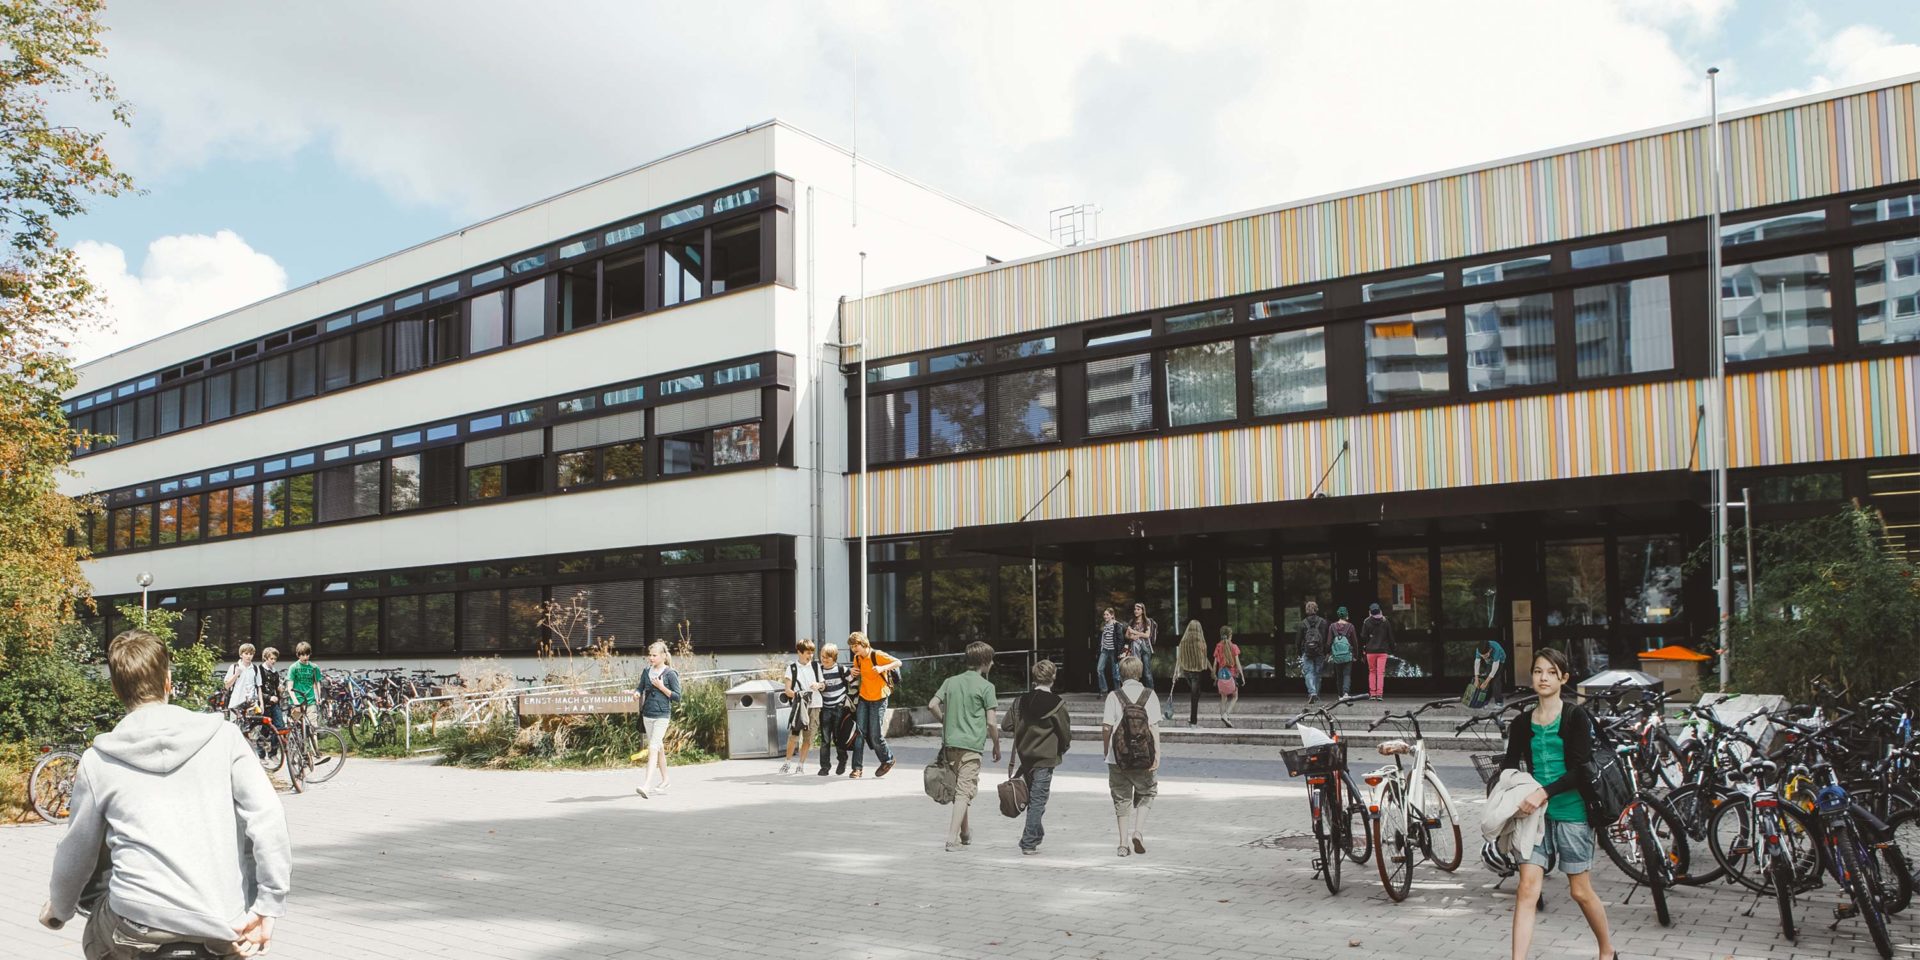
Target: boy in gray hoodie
<point>175,810</point>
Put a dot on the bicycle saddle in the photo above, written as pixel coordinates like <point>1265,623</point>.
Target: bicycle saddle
<point>1390,748</point>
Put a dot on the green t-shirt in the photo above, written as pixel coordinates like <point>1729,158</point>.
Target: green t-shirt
<point>306,678</point>
<point>966,696</point>
<point>1550,764</point>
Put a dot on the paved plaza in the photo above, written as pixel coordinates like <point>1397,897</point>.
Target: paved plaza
<point>403,859</point>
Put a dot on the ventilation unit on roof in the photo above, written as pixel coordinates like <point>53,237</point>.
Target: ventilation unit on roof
<point>1074,225</point>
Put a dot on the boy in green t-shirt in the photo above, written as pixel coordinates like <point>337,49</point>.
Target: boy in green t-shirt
<point>305,678</point>
<point>964,707</point>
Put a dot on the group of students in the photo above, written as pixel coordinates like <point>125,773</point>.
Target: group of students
<point>249,686</point>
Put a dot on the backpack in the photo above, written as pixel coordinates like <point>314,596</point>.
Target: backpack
<point>1133,746</point>
<point>1612,787</point>
<point>941,780</point>
<point>797,717</point>
<point>845,731</point>
<point>1342,648</point>
<point>1314,645</point>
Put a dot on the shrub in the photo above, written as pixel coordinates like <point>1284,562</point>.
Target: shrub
<point>46,694</point>
<point>16,761</point>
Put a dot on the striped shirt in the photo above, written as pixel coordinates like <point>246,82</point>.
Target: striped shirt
<point>836,677</point>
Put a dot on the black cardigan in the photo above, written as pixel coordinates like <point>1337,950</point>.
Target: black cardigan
<point>1576,731</point>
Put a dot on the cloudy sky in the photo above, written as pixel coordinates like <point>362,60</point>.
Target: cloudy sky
<point>279,144</point>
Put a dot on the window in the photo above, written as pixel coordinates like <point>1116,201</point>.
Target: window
<point>1622,252</point>
<point>956,417</point>
<point>1576,582</point>
<point>368,355</point>
<point>627,461</point>
<point>1650,578</point>
<point>727,609</point>
<point>1403,287</point>
<point>1201,385</point>
<point>576,469</point>
<point>302,374</point>
<point>529,311</point>
<point>509,465</point>
<point>300,499</point>
<point>336,363</point>
<point>167,530</point>
<point>1890,208</point>
<point>218,503</point>
<point>1026,408</point>
<point>626,287</point>
<point>122,524</point>
<point>245,500</point>
<point>1289,306</point>
<point>1119,334</point>
<point>1537,266</point>
<point>1773,228</point>
<point>1622,328</point>
<point>426,479</point>
<point>219,397</point>
<point>273,512</point>
<point>1120,394</point>
<point>191,403</point>
<point>1407,356</point>
<point>1289,372</point>
<point>1510,342</point>
<point>577,297</point>
<point>1402,590</point>
<point>486,321</point>
<point>893,371</point>
<point>143,419</point>
<point>682,270</point>
<point>1024,349</point>
<point>351,491</point>
<point>736,444</point>
<point>1885,289</point>
<point>893,426</point>
<point>143,525</point>
<point>688,453</point>
<point>1198,321</point>
<point>190,513</point>
<point>169,410</point>
<point>1778,307</point>
<point>736,256</point>
<point>959,360</point>
<point>245,384</point>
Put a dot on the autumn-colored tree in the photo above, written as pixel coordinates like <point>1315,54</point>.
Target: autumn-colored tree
<point>50,172</point>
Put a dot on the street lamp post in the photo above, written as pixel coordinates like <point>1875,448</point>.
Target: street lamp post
<point>145,580</point>
<point>1717,394</point>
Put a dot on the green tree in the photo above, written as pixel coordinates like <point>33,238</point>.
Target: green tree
<point>1830,602</point>
<point>48,172</point>
<point>194,664</point>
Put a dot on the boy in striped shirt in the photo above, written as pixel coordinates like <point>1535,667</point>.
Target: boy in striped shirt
<point>833,706</point>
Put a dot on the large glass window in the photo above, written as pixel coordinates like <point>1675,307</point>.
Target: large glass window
<point>682,270</point>
<point>1886,291</point>
<point>626,282</point>
<point>1403,287</point>
<point>898,603</point>
<point>1773,228</point>
<point>510,479</point>
<point>426,479</point>
<point>245,503</point>
<point>529,310</point>
<point>628,461</point>
<point>169,410</point>
<point>893,426</point>
<point>486,321</point>
<point>1403,585</point>
<point>736,444</point>
<point>336,363</point>
<point>1026,408</point>
<point>168,529</point>
<point>736,256</point>
<point>1650,578</point>
<point>190,512</point>
<point>1249,588</point>
<point>1407,356</point>
<point>1468,576</point>
<point>578,292</point>
<point>1019,586</point>
<point>1510,342</point>
<point>219,503</point>
<point>957,417</point>
<point>368,355</point>
<point>1576,582</point>
<point>245,388</point>
<point>1289,371</point>
<point>1201,384</point>
<point>219,396</point>
<point>191,400</point>
<point>1776,308</point>
<point>303,374</point>
<point>1120,394</point>
<point>350,491</point>
<point>273,381</point>
<point>1622,328</point>
<point>273,504</point>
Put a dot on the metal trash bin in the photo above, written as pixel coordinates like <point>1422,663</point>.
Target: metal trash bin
<point>1635,685</point>
<point>755,720</point>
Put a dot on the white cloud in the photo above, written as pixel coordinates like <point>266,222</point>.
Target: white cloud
<point>1161,111</point>
<point>1854,54</point>
<point>183,280</point>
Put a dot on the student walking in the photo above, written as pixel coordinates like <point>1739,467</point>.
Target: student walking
<point>1227,677</point>
<point>1130,738</point>
<point>1190,664</point>
<point>658,691</point>
<point>833,706</point>
<point>273,688</point>
<point>804,683</point>
<point>1340,649</point>
<point>1488,663</point>
<point>242,682</point>
<point>304,678</point>
<point>964,706</point>
<point>1142,634</point>
<point>1555,744</point>
<point>1313,650</point>
<point>1042,732</point>
<point>1111,636</point>
<point>171,808</point>
<point>871,668</point>
<point>1376,635</point>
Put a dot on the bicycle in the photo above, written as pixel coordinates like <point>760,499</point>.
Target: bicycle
<point>1763,843</point>
<point>1647,840</point>
<point>1333,799</point>
<point>1412,813</point>
<point>325,748</point>
<point>50,783</point>
<point>275,748</point>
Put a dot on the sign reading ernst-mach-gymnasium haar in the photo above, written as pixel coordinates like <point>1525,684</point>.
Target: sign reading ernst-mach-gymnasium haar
<point>578,701</point>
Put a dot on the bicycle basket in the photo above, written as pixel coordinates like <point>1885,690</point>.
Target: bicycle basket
<point>1317,761</point>
<point>1487,765</point>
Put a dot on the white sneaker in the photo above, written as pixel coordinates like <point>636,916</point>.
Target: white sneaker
<point>642,791</point>
<point>784,767</point>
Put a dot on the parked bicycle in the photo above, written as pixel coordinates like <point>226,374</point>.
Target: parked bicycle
<point>1413,815</point>
<point>1340,822</point>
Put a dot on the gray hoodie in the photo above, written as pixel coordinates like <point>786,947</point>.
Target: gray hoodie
<point>189,821</point>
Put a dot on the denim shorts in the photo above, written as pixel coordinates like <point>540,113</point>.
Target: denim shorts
<point>1568,841</point>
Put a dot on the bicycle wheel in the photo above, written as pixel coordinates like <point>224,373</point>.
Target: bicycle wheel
<point>1694,805</point>
<point>1780,869</point>
<point>296,757</point>
<point>327,750</point>
<point>1895,878</point>
<point>1359,833</point>
<point>1392,848</point>
<point>50,785</point>
<point>1904,827</point>
<point>1442,828</point>
<point>1858,875</point>
<point>1622,843</point>
<point>1654,861</point>
<point>266,746</point>
<point>1326,835</point>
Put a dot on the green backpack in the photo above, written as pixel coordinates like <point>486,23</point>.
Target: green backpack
<point>1342,650</point>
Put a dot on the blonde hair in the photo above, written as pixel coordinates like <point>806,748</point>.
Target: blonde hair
<point>1044,672</point>
<point>979,654</point>
<point>830,652</point>
<point>660,647</point>
<point>804,646</point>
<point>1131,668</point>
<point>1194,632</point>
<point>270,652</point>
<point>858,639</point>
<point>140,665</point>
<point>245,648</point>
<point>303,649</point>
